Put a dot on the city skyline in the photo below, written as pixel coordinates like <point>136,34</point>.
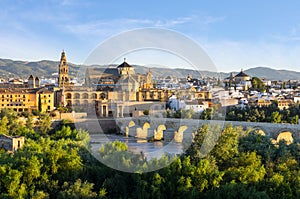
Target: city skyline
<point>234,34</point>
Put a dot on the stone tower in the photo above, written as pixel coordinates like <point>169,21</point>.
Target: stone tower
<point>125,68</point>
<point>36,82</point>
<point>31,82</point>
<point>63,79</point>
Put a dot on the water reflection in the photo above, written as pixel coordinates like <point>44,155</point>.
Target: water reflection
<point>149,149</point>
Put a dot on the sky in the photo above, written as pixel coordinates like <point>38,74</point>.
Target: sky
<point>235,34</point>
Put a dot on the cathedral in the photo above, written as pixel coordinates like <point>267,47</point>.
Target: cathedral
<point>106,92</point>
<point>113,91</point>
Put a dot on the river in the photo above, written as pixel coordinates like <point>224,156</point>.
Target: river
<point>150,149</point>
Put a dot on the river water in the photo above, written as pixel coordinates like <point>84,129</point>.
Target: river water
<point>149,149</point>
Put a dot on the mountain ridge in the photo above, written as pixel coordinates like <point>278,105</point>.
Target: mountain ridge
<point>45,68</point>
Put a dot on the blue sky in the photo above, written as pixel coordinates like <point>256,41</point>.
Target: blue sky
<point>235,34</point>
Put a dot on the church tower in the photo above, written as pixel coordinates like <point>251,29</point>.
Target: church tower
<point>63,79</point>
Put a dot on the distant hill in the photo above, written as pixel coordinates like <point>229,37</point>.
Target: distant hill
<point>22,69</point>
<point>45,68</point>
<point>272,74</point>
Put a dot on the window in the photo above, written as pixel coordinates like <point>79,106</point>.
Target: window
<point>49,101</point>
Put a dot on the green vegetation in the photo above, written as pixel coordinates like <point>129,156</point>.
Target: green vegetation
<point>55,163</point>
<point>207,114</point>
<point>146,112</point>
<point>270,114</point>
<point>258,84</point>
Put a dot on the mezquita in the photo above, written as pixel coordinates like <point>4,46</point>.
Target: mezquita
<point>108,92</point>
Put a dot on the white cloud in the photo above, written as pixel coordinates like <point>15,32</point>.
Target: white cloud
<point>113,26</point>
<point>117,25</point>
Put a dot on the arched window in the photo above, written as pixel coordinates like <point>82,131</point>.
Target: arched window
<point>102,96</point>
<point>85,96</point>
<point>77,96</point>
<point>69,96</point>
<point>94,96</point>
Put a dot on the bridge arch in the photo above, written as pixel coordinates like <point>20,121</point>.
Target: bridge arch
<point>131,124</point>
<point>146,126</point>
<point>259,130</point>
<point>182,129</point>
<point>159,133</point>
<point>286,135</point>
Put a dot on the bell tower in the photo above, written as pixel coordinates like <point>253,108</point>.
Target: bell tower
<point>63,79</point>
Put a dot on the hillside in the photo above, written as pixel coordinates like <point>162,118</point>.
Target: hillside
<point>22,69</point>
<point>45,68</point>
<point>268,73</point>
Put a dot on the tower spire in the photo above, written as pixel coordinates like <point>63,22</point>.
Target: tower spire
<point>63,79</point>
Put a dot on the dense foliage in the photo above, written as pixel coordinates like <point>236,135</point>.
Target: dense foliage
<point>257,84</point>
<point>237,164</point>
<point>265,114</point>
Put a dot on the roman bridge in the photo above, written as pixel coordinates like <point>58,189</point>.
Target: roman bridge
<point>170,128</point>
<point>139,126</point>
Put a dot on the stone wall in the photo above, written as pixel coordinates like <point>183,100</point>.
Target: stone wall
<point>9,143</point>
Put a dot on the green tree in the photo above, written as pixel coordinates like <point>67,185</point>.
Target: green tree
<point>146,112</point>
<point>78,190</point>
<point>294,119</point>
<point>29,122</point>
<point>227,145</point>
<point>40,104</point>
<point>44,123</point>
<point>4,128</point>
<point>258,84</point>
<point>276,117</point>
<point>207,114</point>
<point>246,168</point>
<point>194,151</point>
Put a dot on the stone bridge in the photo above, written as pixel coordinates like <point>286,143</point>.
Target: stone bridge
<point>178,129</point>
<point>171,128</point>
